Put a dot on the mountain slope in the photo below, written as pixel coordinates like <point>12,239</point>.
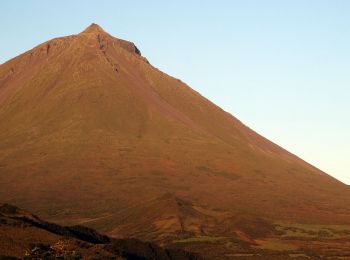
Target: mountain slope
<point>88,128</point>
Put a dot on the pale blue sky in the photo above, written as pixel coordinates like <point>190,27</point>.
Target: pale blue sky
<point>281,67</point>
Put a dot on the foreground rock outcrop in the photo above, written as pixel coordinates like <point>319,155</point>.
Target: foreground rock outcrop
<point>23,234</point>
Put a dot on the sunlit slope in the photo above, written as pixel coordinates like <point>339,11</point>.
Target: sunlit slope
<point>89,128</point>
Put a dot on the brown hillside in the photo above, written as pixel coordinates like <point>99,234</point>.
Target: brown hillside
<point>91,133</point>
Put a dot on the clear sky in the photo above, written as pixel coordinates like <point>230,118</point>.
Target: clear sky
<point>281,67</point>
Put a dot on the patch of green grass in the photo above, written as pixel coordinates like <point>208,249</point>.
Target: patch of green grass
<point>199,239</point>
<point>294,233</point>
<point>276,245</point>
<point>313,231</point>
<point>312,227</point>
<point>230,245</point>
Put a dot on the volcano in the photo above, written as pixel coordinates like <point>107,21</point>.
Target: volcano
<point>91,133</point>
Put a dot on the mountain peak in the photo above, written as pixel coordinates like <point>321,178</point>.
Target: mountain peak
<point>93,28</point>
<point>142,153</point>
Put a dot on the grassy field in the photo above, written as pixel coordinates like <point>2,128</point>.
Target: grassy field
<point>313,231</point>
<point>199,239</point>
<point>276,245</point>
